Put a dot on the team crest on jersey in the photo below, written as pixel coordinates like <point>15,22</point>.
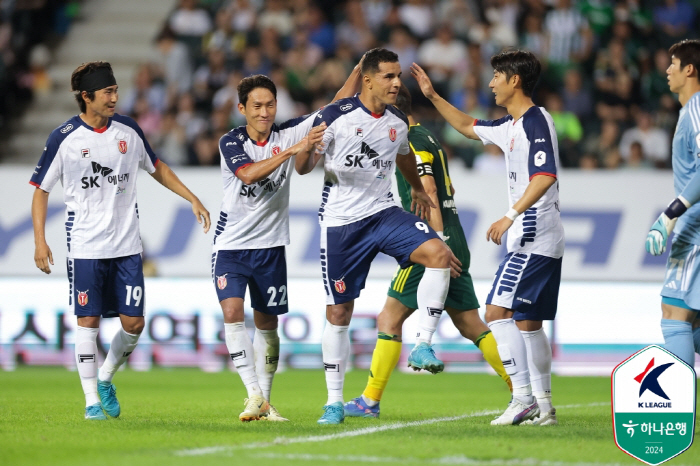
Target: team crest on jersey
<point>392,134</point>
<point>85,153</point>
<point>512,143</point>
<point>221,281</point>
<point>122,146</point>
<point>276,150</point>
<point>82,297</point>
<point>339,285</point>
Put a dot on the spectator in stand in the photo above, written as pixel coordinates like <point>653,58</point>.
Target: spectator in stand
<point>588,162</point>
<point>209,78</point>
<point>145,86</point>
<point>491,161</point>
<point>418,16</point>
<point>190,20</point>
<point>222,37</point>
<point>188,119</point>
<point>443,57</point>
<point>404,45</point>
<point>354,31</point>
<point>255,63</point>
<point>321,32</point>
<point>174,60</point>
<point>570,38</point>
<point>654,84</point>
<point>674,20</point>
<point>568,128</point>
<point>276,16</point>
<point>600,144</point>
<point>243,15</point>
<point>636,158</point>
<point>375,12</point>
<point>655,142</point>
<point>533,37</point>
<point>577,98</point>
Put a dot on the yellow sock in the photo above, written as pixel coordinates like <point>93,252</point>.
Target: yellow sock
<point>384,359</point>
<point>487,344</point>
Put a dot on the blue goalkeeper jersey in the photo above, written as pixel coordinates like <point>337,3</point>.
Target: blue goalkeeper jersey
<point>686,163</point>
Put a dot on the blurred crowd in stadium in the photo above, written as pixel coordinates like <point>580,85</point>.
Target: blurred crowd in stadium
<point>604,79</point>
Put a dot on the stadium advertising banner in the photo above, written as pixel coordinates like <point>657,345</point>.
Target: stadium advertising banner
<point>606,216</point>
<point>184,326</point>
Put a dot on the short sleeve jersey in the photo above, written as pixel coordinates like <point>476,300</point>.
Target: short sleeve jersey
<point>686,162</point>
<point>256,216</point>
<point>98,169</point>
<point>531,148</point>
<point>431,161</point>
<point>360,156</point>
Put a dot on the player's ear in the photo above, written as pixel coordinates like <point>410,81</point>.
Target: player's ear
<point>367,81</point>
<point>241,108</point>
<point>84,95</point>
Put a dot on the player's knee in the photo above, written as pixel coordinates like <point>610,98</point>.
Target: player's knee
<point>135,327</point>
<point>439,255</point>
<point>496,313</point>
<point>339,314</point>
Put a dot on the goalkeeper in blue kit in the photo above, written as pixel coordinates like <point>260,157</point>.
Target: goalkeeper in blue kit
<point>681,291</point>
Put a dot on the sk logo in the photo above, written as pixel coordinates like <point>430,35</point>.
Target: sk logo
<point>653,404</point>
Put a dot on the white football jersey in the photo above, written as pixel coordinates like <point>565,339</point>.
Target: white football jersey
<point>257,216</point>
<point>360,158</point>
<point>531,148</point>
<point>98,169</point>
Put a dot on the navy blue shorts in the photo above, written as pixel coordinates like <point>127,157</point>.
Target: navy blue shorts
<point>107,287</point>
<point>264,271</point>
<point>347,251</point>
<point>527,284</point>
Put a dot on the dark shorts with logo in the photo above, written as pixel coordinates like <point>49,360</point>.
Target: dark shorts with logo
<point>460,296</point>
<point>347,251</point>
<point>263,271</point>
<point>107,287</point>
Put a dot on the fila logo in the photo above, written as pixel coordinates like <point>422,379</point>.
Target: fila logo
<point>331,367</point>
<point>509,363</point>
<point>358,132</point>
<point>126,354</point>
<point>239,355</point>
<point>231,144</point>
<point>85,153</point>
<point>86,358</point>
<point>434,312</point>
<point>538,140</point>
<point>272,359</point>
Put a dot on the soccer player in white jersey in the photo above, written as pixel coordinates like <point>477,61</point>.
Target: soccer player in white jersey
<point>257,161</point>
<point>365,137</point>
<point>96,156</point>
<point>525,289</point>
<point>680,300</point>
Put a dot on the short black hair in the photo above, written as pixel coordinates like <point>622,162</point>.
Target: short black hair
<point>688,52</point>
<point>521,62</point>
<point>404,100</point>
<point>77,76</point>
<point>249,83</point>
<point>372,59</point>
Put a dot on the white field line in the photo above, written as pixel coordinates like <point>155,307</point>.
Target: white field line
<point>445,460</point>
<point>351,433</point>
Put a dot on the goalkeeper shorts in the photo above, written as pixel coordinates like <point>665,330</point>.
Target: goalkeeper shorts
<point>683,274</point>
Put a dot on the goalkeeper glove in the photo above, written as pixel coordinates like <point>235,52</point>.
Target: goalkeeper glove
<point>662,228</point>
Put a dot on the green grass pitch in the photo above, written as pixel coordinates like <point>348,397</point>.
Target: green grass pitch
<point>189,417</point>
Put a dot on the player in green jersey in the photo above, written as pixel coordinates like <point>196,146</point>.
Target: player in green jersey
<point>461,304</point>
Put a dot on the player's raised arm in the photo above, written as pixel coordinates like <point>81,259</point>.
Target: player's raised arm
<point>311,150</point>
<point>421,203</point>
<point>42,252</point>
<point>165,176</point>
<point>459,120</point>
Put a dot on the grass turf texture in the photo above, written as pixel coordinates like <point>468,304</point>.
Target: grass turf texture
<point>166,412</point>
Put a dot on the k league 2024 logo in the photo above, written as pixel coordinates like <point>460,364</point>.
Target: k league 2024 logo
<point>653,404</point>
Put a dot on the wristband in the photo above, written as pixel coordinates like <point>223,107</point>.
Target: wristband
<point>677,207</point>
<point>441,235</point>
<point>512,214</point>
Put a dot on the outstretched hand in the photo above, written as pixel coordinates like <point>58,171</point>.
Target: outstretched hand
<point>421,204</point>
<point>426,86</point>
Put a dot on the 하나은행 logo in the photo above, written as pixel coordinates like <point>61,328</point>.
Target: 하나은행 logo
<point>653,404</point>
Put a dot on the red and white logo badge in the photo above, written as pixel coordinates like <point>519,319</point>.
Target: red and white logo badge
<point>276,150</point>
<point>340,285</point>
<point>83,297</point>
<point>221,281</point>
<point>512,143</point>
<point>392,134</point>
<point>122,146</point>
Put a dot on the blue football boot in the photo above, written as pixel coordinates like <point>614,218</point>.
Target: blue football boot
<point>333,414</point>
<point>108,396</point>
<point>358,408</point>
<point>94,413</point>
<point>423,357</point>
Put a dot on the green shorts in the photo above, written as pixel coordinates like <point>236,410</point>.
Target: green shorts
<point>461,296</point>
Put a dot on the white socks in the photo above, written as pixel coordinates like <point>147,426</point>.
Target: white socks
<point>266,346</point>
<point>240,348</point>
<point>335,344</point>
<point>86,360</point>
<point>539,361</point>
<point>122,345</point>
<point>511,349</point>
<point>431,295</point>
